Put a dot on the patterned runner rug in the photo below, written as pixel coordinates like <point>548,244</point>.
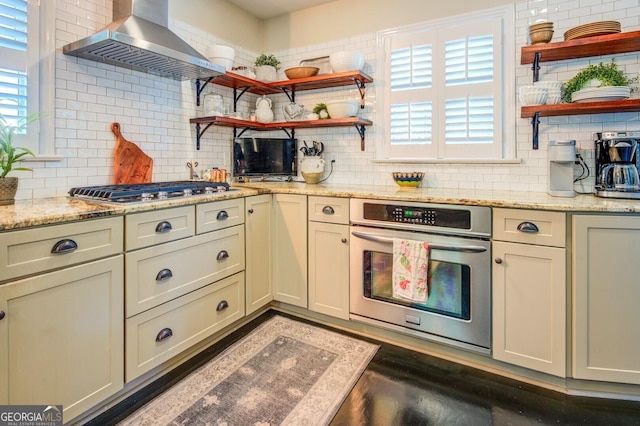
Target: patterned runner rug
<point>283,373</point>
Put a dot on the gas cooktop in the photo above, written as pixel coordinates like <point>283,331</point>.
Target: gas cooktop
<point>145,192</point>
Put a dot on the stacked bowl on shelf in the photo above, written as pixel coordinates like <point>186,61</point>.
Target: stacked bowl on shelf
<point>532,95</point>
<point>554,91</point>
<point>541,32</point>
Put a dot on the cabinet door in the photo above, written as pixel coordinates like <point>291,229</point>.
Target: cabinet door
<point>329,269</point>
<point>259,290</point>
<point>290,249</point>
<point>62,338</point>
<point>529,306</point>
<point>606,292</point>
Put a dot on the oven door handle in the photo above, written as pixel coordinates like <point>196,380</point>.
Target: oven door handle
<point>386,240</point>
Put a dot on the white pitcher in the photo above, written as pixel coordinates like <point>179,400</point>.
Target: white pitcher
<point>263,110</point>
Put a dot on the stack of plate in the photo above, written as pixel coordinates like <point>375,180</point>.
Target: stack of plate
<point>592,29</point>
<point>601,94</point>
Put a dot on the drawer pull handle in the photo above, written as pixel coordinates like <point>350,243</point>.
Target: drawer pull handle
<point>328,210</point>
<point>222,306</point>
<point>2,315</point>
<point>163,227</point>
<point>164,334</point>
<point>528,227</point>
<point>498,260</point>
<point>64,246</point>
<point>222,255</point>
<point>164,274</point>
<point>222,215</point>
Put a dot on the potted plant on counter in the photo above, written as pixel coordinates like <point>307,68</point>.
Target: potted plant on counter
<point>267,68</point>
<point>10,155</point>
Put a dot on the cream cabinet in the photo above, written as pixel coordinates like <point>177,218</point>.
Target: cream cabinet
<point>329,256</point>
<point>61,330</point>
<point>181,287</point>
<point>529,289</point>
<point>290,249</point>
<point>606,293</point>
<point>259,289</point>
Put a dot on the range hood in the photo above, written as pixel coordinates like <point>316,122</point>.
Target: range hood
<point>139,39</point>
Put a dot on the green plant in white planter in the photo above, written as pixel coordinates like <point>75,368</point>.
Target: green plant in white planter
<point>267,68</point>
<point>597,76</point>
<point>10,155</point>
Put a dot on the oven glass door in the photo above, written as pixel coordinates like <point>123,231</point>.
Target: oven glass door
<point>458,308</point>
<point>448,283</point>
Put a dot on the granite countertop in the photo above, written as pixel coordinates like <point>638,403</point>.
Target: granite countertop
<point>46,211</point>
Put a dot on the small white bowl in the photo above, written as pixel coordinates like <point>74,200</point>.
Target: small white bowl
<point>343,108</point>
<point>346,61</point>
<point>531,95</point>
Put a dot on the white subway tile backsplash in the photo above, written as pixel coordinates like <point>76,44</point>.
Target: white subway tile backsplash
<point>154,112</point>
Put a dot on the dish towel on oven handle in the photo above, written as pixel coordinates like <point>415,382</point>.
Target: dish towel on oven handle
<point>410,268</point>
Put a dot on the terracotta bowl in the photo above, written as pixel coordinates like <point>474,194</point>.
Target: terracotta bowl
<point>540,36</point>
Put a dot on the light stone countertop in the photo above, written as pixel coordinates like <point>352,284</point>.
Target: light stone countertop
<point>47,211</point>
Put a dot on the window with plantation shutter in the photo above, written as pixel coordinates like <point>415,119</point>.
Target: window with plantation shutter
<point>446,89</point>
<point>20,63</point>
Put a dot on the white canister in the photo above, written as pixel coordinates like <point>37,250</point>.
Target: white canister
<point>312,169</point>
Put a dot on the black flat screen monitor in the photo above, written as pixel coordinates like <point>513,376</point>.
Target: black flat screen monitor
<point>264,157</point>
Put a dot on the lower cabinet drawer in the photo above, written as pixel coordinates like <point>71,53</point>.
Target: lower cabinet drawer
<point>159,334</point>
<point>157,274</point>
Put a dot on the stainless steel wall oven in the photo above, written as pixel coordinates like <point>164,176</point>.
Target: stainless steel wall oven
<point>458,309</point>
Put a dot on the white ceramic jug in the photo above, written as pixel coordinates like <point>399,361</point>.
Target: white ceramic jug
<point>263,110</point>
<point>312,169</point>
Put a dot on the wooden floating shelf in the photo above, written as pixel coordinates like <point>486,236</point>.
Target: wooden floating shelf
<point>627,105</point>
<point>583,47</point>
<point>323,81</point>
<point>234,122</point>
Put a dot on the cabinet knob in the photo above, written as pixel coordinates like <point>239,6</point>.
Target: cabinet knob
<point>164,334</point>
<point>328,210</point>
<point>498,260</point>
<point>164,274</point>
<point>163,227</point>
<point>528,227</point>
<point>222,255</point>
<point>2,315</point>
<point>250,211</point>
<point>344,241</point>
<point>64,246</point>
<point>222,306</point>
<point>222,215</point>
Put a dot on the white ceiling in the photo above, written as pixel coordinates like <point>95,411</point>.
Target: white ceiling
<point>265,9</point>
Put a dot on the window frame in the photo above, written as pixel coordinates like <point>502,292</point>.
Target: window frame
<point>505,149</point>
<point>40,69</point>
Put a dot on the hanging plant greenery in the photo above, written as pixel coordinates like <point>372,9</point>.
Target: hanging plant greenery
<point>607,74</point>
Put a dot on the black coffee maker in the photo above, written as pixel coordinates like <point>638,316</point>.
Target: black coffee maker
<point>617,165</point>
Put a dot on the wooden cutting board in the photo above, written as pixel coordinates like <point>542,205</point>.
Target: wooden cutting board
<point>130,163</point>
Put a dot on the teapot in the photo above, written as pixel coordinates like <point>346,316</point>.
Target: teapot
<point>263,110</point>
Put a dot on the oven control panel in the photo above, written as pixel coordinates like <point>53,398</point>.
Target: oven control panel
<point>415,215</point>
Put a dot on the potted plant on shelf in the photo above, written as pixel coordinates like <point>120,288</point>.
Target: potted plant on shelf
<point>600,75</point>
<point>267,68</point>
<point>10,155</point>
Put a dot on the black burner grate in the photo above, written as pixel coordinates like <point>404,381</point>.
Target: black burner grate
<point>126,193</point>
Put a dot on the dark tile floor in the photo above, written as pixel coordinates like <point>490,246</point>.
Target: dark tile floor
<point>402,387</point>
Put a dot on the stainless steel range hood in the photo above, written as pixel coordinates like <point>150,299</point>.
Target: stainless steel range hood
<point>139,39</point>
